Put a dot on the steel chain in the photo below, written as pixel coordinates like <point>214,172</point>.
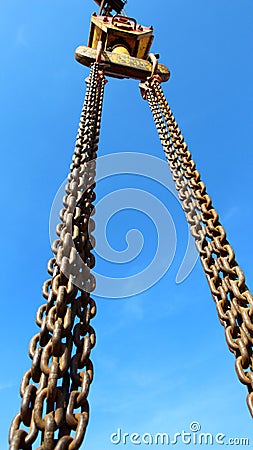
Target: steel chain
<point>54,390</point>
<point>234,302</point>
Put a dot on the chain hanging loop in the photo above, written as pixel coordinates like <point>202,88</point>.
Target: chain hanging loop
<point>54,390</point>
<point>234,301</point>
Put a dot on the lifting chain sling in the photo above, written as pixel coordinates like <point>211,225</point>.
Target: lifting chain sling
<point>61,373</point>
<point>234,301</point>
<point>53,359</point>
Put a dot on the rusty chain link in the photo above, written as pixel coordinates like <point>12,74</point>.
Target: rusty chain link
<point>234,302</point>
<point>54,390</point>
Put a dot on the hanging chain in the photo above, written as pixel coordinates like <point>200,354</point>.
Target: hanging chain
<point>234,302</point>
<point>54,406</point>
<point>54,390</point>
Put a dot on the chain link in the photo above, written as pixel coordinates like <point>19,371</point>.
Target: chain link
<point>234,302</point>
<point>54,390</point>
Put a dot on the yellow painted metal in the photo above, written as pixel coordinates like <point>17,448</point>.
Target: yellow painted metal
<point>120,65</point>
<point>125,48</point>
<point>120,49</point>
<point>96,37</point>
<point>143,45</point>
<point>122,32</point>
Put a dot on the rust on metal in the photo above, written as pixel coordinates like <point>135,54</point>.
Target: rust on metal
<point>124,48</point>
<point>54,390</point>
<point>120,65</point>
<point>234,301</point>
<point>118,31</point>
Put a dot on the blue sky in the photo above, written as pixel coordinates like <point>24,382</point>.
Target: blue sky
<point>161,361</point>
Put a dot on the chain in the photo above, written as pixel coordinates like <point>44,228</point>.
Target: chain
<point>234,302</point>
<point>190,205</point>
<point>54,390</point>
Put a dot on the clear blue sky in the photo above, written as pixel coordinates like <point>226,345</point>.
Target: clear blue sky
<point>161,360</point>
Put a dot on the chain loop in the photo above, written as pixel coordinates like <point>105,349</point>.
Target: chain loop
<point>234,302</point>
<point>54,391</point>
